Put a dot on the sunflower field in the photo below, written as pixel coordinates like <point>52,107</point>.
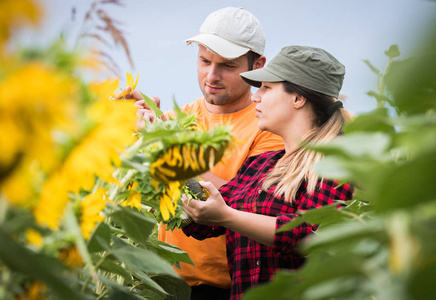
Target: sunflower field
<point>81,190</point>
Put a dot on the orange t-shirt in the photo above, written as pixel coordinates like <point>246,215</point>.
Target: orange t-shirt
<point>209,255</point>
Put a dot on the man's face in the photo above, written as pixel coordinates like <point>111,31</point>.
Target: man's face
<point>219,77</point>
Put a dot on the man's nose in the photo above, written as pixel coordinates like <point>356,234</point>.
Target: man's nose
<point>213,74</point>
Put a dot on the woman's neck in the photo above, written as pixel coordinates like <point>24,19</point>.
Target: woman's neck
<point>295,132</point>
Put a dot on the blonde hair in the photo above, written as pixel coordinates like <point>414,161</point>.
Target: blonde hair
<point>295,167</point>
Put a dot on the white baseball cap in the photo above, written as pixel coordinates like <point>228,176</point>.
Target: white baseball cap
<point>231,32</point>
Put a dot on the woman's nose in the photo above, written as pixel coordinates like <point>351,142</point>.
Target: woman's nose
<point>255,97</point>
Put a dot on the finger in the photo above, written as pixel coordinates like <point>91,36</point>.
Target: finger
<point>124,94</point>
<point>163,117</point>
<point>149,116</point>
<point>136,95</point>
<point>139,104</point>
<point>146,116</point>
<point>186,205</point>
<point>140,124</point>
<point>140,112</point>
<point>213,191</point>
<point>156,100</point>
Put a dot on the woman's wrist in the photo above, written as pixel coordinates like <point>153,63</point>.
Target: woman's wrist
<point>229,217</point>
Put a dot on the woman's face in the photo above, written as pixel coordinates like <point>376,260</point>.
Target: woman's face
<point>273,107</point>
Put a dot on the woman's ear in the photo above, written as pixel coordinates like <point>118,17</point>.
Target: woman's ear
<point>299,102</point>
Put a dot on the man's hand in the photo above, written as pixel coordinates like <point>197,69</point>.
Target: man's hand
<point>127,94</point>
<point>144,113</point>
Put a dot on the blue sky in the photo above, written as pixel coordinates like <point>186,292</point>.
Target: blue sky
<point>352,30</point>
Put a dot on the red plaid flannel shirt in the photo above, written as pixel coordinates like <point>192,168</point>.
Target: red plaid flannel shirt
<point>250,262</point>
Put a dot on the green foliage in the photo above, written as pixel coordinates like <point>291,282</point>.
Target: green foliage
<point>38,267</point>
<point>380,245</point>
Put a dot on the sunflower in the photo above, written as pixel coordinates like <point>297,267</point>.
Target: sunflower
<point>134,198</point>
<point>184,161</point>
<point>170,153</point>
<point>36,291</point>
<point>129,82</point>
<point>91,208</point>
<point>168,201</point>
<point>34,238</point>
<point>15,14</point>
<point>71,257</point>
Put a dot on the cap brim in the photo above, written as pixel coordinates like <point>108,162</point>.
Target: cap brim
<point>256,77</point>
<point>219,45</point>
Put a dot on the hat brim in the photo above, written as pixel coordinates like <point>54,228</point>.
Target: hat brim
<point>219,45</point>
<point>256,77</point>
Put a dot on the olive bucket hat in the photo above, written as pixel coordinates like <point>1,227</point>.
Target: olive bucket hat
<point>309,67</point>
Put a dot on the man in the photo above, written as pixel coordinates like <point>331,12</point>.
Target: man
<point>231,41</point>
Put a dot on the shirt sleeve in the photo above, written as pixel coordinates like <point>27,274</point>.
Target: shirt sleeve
<point>285,242</point>
<point>266,141</point>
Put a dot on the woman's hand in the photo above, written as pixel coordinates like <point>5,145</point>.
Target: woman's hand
<point>213,211</point>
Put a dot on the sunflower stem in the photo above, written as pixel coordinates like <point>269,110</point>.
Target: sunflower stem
<point>73,225</point>
<point>132,150</point>
<point>115,191</point>
<point>3,208</point>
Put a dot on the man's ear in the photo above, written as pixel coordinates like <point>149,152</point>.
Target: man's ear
<point>259,63</point>
<point>299,102</point>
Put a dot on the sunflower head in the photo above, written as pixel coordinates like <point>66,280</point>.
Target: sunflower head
<point>184,161</point>
<point>168,154</point>
<point>189,152</point>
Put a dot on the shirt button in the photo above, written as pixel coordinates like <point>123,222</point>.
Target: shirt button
<point>257,262</point>
<point>259,192</point>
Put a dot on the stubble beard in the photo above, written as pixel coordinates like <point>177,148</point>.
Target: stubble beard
<point>217,100</point>
<point>222,99</point>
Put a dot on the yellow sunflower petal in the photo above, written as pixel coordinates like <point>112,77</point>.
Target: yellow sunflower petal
<point>169,203</point>
<point>175,191</point>
<point>122,94</point>
<point>129,80</point>
<point>136,82</point>
<point>167,172</point>
<point>91,207</point>
<point>186,156</point>
<point>178,156</point>
<point>34,238</point>
<point>164,210</point>
<point>194,161</point>
<point>211,158</point>
<point>201,158</point>
<point>134,200</point>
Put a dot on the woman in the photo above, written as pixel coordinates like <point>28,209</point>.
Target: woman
<point>297,100</point>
